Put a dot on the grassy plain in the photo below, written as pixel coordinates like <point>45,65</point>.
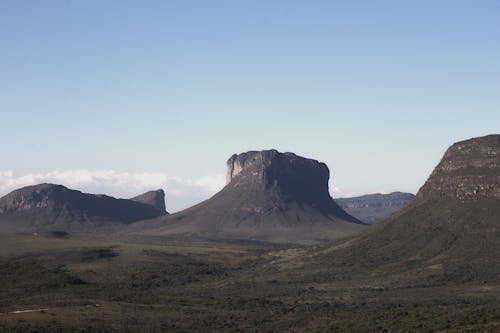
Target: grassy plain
<point>153,284</point>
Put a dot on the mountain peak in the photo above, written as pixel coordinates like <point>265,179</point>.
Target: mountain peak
<point>294,177</point>
<point>154,198</point>
<point>269,196</point>
<point>50,206</point>
<point>468,170</point>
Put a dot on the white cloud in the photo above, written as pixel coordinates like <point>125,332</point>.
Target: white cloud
<point>180,192</point>
<point>337,192</point>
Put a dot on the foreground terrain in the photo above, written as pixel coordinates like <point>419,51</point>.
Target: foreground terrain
<point>158,284</point>
<point>433,266</point>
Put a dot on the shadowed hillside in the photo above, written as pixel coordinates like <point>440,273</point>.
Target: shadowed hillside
<point>269,196</point>
<point>449,234</point>
<point>55,207</point>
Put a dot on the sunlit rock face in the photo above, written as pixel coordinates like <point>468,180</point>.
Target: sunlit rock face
<point>468,170</point>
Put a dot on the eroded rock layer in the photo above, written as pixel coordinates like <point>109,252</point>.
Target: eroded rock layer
<point>468,170</point>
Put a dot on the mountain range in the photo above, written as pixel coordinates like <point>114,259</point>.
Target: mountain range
<point>433,266</point>
<point>373,208</point>
<point>51,207</point>
<point>269,196</point>
<point>449,234</point>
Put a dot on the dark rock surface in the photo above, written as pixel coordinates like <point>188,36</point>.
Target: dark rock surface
<point>153,198</point>
<point>296,178</point>
<point>269,196</point>
<point>373,208</point>
<point>469,170</point>
<point>449,234</point>
<point>55,207</point>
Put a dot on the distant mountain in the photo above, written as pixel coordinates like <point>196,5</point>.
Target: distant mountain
<point>47,207</point>
<point>153,198</point>
<point>449,234</point>
<point>269,196</point>
<point>374,208</point>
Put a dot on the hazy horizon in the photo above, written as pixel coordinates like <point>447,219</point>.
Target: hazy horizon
<point>120,97</point>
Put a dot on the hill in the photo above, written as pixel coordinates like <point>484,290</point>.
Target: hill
<point>269,196</point>
<point>153,198</point>
<point>448,234</point>
<point>431,267</point>
<point>373,208</point>
<point>46,207</point>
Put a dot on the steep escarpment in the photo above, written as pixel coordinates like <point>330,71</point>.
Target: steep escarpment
<point>292,177</point>
<point>469,170</point>
<point>373,208</point>
<point>153,198</point>
<point>55,207</point>
<point>449,234</point>
<point>269,196</point>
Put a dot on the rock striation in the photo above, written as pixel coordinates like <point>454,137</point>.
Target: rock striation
<point>373,208</point>
<point>269,196</point>
<point>154,198</point>
<point>449,234</point>
<point>296,178</point>
<point>469,170</point>
<point>55,207</point>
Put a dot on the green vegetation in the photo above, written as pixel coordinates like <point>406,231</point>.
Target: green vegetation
<point>130,285</point>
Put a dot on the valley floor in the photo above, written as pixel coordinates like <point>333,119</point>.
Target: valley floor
<point>124,284</point>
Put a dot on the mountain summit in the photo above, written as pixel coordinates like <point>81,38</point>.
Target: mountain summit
<point>55,207</point>
<point>269,196</point>
<point>291,177</point>
<point>449,234</point>
<point>468,171</point>
<point>153,198</point>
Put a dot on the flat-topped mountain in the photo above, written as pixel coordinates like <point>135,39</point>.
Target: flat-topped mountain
<point>154,198</point>
<point>372,208</point>
<point>55,207</point>
<point>269,196</point>
<point>449,234</point>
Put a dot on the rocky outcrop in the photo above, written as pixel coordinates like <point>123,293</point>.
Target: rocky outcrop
<point>468,170</point>
<point>448,235</point>
<point>269,196</point>
<point>296,178</point>
<point>55,207</point>
<point>373,208</point>
<point>153,198</point>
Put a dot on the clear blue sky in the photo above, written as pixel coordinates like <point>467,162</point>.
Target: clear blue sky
<point>376,89</point>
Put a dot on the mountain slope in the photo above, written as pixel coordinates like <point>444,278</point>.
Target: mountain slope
<point>374,208</point>
<point>449,234</point>
<point>55,207</point>
<point>154,198</point>
<point>269,196</point>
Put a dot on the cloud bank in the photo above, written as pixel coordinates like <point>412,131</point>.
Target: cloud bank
<point>180,192</point>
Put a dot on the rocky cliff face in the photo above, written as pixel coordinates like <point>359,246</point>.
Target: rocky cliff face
<point>32,197</point>
<point>153,198</point>
<point>448,235</point>
<point>294,177</point>
<point>55,207</point>
<point>269,196</point>
<point>468,170</point>
<point>374,208</point>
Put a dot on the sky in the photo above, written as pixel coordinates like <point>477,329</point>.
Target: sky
<point>120,97</point>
